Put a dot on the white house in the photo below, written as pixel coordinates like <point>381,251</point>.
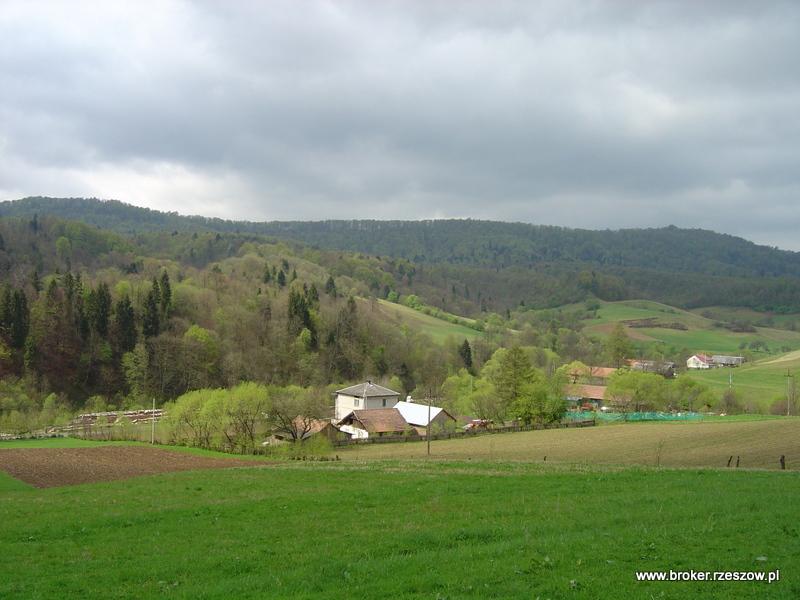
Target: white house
<point>363,396</point>
<point>699,361</point>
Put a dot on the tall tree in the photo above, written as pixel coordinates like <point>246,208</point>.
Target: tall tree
<point>165,290</point>
<point>618,345</point>
<point>125,324</point>
<point>150,320</point>
<point>465,352</point>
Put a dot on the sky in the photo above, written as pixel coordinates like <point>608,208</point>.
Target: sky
<point>575,113</point>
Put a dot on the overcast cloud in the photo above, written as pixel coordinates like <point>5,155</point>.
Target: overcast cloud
<point>584,114</point>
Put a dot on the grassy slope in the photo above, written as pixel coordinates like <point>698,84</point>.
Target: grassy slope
<point>758,443</point>
<point>701,335</point>
<point>760,382</point>
<point>438,329</point>
<point>401,530</point>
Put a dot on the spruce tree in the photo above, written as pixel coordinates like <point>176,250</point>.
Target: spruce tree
<point>465,352</point>
<point>150,320</point>
<point>281,278</point>
<point>125,322</point>
<point>165,290</point>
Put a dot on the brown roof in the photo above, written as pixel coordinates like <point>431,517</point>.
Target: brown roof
<point>377,420</point>
<point>602,372</point>
<point>592,392</point>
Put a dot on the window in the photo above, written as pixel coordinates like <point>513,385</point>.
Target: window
<point>356,402</point>
<point>384,401</point>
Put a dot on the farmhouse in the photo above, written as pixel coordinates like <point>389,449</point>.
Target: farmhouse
<point>699,361</point>
<point>416,415</point>
<point>720,360</point>
<point>592,375</point>
<point>363,396</point>
<point>586,396</point>
<point>375,422</point>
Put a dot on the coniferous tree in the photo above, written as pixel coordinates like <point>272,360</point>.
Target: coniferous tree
<point>125,322</point>
<point>281,278</point>
<point>330,286</point>
<point>406,379</point>
<point>165,290</point>
<point>150,319</point>
<point>465,352</point>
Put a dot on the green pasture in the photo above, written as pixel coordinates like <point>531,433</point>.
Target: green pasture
<point>759,444</point>
<point>414,529</point>
<point>759,383</point>
<point>438,329</point>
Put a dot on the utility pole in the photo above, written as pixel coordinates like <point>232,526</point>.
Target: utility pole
<point>153,423</point>
<point>788,392</point>
<point>428,428</point>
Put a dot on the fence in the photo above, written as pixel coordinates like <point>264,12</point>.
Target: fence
<point>638,416</point>
<point>589,422</point>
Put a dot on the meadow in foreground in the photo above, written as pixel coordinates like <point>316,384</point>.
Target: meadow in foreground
<point>442,529</point>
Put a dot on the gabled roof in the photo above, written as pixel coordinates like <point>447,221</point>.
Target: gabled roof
<point>377,420</point>
<point>417,414</point>
<point>592,392</point>
<point>703,358</point>
<point>601,372</point>
<point>367,389</point>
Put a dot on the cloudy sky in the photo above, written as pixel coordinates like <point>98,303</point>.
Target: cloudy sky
<point>585,114</point>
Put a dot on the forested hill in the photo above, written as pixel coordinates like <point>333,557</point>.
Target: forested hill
<point>461,242</point>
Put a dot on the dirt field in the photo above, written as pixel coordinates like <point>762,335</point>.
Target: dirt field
<point>53,467</point>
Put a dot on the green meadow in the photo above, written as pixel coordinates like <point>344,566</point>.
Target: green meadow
<point>402,529</point>
<point>438,329</point>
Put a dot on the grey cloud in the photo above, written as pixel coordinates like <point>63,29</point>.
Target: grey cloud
<point>591,114</point>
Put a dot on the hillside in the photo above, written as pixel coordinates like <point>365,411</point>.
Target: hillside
<point>468,267</point>
<point>681,331</point>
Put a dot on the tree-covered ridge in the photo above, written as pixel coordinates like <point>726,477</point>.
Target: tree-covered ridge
<point>461,242</point>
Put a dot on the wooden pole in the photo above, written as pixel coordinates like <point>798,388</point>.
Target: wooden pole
<point>153,423</point>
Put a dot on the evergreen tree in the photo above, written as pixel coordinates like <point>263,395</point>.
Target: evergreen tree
<point>36,281</point>
<point>281,278</point>
<point>330,286</point>
<point>465,352</point>
<point>20,319</point>
<point>406,379</point>
<point>125,324</point>
<point>150,319</point>
<point>267,274</point>
<point>165,290</point>
<point>312,296</point>
<point>98,309</point>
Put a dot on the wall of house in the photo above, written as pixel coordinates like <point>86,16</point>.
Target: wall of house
<point>347,404</point>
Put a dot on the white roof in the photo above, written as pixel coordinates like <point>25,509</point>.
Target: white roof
<point>416,414</point>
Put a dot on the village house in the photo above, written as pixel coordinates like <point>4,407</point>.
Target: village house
<point>375,422</point>
<point>416,415</point>
<point>586,396</point>
<point>699,361</point>
<point>306,429</point>
<point>363,396</point>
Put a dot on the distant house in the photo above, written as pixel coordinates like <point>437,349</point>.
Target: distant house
<point>699,361</point>
<point>363,396</point>
<point>416,415</point>
<point>660,367</point>
<point>583,394</point>
<point>593,375</point>
<point>376,422</point>
<point>720,360</point>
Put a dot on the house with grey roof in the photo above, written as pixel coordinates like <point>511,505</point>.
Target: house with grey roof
<point>363,396</point>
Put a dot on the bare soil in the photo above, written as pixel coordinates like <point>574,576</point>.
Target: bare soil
<point>54,467</point>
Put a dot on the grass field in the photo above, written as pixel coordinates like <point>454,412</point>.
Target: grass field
<point>438,329</point>
<point>759,443</point>
<point>402,530</point>
<point>701,335</point>
<point>760,383</point>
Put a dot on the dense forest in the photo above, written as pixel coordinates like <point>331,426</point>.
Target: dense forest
<point>472,267</point>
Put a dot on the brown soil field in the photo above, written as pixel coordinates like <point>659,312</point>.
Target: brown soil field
<point>53,467</point>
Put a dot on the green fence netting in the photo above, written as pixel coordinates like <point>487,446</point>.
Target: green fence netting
<point>633,416</point>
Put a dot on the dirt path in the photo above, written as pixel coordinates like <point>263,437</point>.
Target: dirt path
<point>53,467</point>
